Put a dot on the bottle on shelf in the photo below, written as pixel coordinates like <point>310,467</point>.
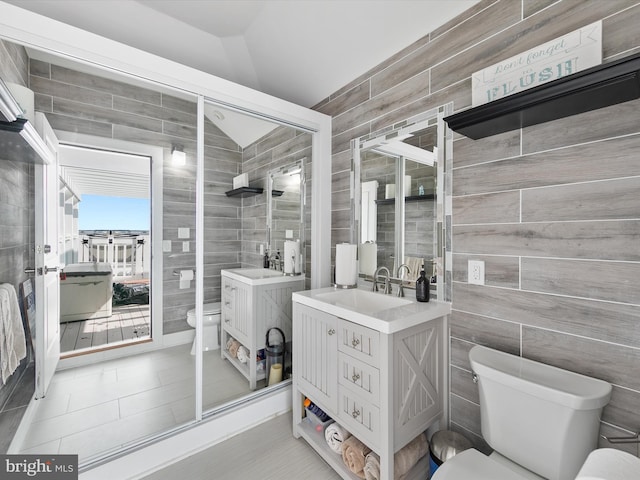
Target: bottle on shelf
<point>316,410</point>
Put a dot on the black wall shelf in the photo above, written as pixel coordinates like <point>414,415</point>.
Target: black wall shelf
<point>597,87</point>
<point>244,192</point>
<point>412,198</point>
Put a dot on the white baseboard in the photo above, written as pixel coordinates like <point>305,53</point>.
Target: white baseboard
<point>203,435</point>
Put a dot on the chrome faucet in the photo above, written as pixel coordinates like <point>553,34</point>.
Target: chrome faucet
<point>387,282</point>
<point>399,275</point>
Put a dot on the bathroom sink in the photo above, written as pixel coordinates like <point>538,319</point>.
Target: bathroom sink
<point>255,273</point>
<point>261,276</point>
<point>362,301</point>
<point>381,312</point>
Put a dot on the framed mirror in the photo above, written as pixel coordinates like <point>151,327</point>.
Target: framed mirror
<point>285,217</point>
<point>398,200</point>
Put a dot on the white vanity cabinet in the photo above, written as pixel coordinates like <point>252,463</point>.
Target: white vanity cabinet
<point>253,301</point>
<point>384,387</point>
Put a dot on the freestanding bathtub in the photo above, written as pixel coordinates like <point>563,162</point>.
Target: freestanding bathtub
<point>86,290</point>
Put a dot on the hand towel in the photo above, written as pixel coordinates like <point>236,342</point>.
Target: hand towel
<point>372,467</point>
<point>406,458</point>
<point>403,461</point>
<point>243,354</point>
<point>233,349</point>
<point>13,346</point>
<point>353,455</point>
<point>335,435</point>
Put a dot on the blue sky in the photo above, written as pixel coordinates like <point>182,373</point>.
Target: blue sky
<point>97,212</point>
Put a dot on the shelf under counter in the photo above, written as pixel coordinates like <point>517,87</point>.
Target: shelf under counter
<point>316,440</point>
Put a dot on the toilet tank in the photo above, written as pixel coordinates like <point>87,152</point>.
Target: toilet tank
<point>541,417</point>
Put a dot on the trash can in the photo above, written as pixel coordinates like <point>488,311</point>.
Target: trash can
<point>275,353</point>
<point>444,445</point>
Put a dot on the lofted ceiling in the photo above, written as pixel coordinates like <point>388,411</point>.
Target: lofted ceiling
<point>298,50</point>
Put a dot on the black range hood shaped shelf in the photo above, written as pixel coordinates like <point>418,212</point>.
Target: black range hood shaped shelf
<point>597,87</point>
<point>244,192</point>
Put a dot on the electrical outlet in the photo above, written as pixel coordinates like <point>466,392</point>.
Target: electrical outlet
<point>476,272</point>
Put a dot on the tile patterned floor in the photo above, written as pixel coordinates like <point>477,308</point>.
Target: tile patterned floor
<point>94,409</point>
<point>268,451</point>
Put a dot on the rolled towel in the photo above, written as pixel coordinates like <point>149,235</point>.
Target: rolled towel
<point>230,342</point>
<point>403,461</point>
<point>406,458</point>
<point>353,455</point>
<point>243,354</point>
<point>335,435</point>
<point>372,467</point>
<point>233,349</point>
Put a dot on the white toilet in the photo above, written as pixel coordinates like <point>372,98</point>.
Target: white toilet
<point>541,421</point>
<point>211,324</point>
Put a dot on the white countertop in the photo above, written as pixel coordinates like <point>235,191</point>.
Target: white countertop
<point>398,316</point>
<point>260,276</point>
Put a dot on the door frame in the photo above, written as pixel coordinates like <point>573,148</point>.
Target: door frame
<point>156,154</point>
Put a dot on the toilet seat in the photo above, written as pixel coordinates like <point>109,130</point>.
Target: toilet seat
<point>472,464</point>
<point>207,309</point>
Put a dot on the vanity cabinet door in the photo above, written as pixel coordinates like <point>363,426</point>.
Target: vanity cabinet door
<point>315,352</point>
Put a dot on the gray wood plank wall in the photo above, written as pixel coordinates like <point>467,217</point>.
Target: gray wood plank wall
<point>552,209</point>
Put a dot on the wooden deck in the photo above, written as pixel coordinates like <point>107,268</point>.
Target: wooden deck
<point>128,323</point>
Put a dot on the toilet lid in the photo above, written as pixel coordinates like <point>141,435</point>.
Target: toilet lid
<point>207,309</point>
<point>471,464</point>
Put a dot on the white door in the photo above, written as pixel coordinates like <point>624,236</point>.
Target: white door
<point>47,263</point>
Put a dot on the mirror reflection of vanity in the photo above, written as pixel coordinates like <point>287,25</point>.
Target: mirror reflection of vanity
<point>398,200</point>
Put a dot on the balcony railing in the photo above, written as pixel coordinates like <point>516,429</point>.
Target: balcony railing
<point>129,256</point>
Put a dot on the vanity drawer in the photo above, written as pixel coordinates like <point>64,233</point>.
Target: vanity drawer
<point>359,377</point>
<point>358,416</point>
<point>359,342</point>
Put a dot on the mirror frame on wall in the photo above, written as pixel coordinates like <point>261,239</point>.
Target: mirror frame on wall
<point>34,31</point>
<point>443,164</point>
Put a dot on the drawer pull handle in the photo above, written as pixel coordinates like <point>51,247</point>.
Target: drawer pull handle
<point>227,303</point>
<point>355,342</point>
<point>355,413</point>
<point>227,320</point>
<point>355,377</point>
<point>331,331</point>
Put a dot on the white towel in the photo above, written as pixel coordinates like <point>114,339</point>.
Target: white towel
<point>12,340</point>
<point>243,354</point>
<point>372,467</point>
<point>334,434</point>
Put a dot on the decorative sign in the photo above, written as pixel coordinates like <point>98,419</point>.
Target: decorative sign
<point>558,58</point>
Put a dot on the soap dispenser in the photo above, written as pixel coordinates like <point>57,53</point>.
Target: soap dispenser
<point>422,287</point>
